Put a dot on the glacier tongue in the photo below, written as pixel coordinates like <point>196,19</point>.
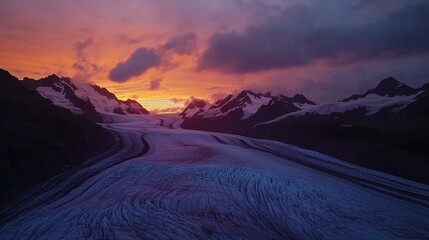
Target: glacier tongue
<point>165,182</point>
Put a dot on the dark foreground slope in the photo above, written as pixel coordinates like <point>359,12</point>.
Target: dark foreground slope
<point>390,148</point>
<point>39,140</point>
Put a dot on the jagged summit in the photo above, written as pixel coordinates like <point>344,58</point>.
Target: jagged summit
<point>388,87</point>
<point>195,106</point>
<point>389,81</point>
<point>297,98</point>
<point>392,87</point>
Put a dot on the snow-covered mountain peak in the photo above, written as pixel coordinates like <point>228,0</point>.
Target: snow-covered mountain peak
<point>392,87</point>
<point>195,106</point>
<point>90,100</point>
<point>389,82</point>
<point>54,81</point>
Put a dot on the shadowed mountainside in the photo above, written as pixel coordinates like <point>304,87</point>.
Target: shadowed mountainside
<point>39,140</point>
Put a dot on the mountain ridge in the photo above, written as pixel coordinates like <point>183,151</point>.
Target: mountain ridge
<point>248,106</point>
<point>387,87</point>
<point>390,95</point>
<point>91,100</point>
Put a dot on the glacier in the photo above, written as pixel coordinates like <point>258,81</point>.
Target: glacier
<point>164,182</point>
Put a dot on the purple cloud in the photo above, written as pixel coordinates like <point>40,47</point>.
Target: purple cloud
<point>298,37</point>
<point>139,62</point>
<point>144,58</point>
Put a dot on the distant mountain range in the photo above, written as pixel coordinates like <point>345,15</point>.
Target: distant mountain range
<point>386,128</point>
<point>249,107</point>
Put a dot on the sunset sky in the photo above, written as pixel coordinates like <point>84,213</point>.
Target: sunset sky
<point>164,52</point>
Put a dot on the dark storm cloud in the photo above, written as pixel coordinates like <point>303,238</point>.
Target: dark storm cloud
<point>298,37</point>
<point>139,62</point>
<point>182,45</point>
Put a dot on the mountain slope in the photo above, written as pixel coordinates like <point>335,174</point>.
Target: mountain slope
<point>91,100</point>
<point>38,139</point>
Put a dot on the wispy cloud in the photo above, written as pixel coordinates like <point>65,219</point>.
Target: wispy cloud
<point>182,45</point>
<point>85,68</point>
<point>155,84</point>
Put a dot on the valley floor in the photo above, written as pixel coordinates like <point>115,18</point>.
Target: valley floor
<point>164,182</point>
